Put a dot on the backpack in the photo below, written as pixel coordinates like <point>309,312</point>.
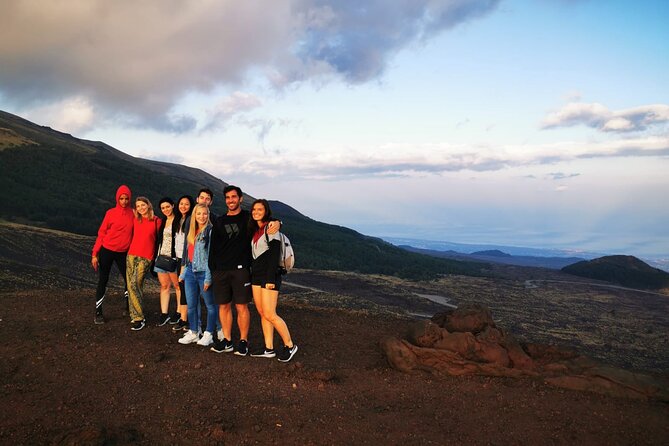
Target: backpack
<point>287,256</point>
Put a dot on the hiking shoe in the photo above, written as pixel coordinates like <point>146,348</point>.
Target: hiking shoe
<point>206,339</point>
<point>223,346</point>
<point>164,318</point>
<point>242,348</point>
<point>174,318</point>
<point>287,353</point>
<point>265,353</point>
<point>189,338</point>
<point>138,325</point>
<point>180,326</point>
<point>99,319</point>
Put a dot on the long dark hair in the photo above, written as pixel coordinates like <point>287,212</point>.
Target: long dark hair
<point>183,218</point>
<point>253,226</point>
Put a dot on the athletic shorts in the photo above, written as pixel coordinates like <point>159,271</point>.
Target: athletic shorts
<point>232,285</point>
<point>259,279</point>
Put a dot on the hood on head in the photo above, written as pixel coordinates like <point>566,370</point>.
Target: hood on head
<point>123,189</point>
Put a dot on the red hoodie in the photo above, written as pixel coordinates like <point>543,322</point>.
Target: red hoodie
<point>115,231</point>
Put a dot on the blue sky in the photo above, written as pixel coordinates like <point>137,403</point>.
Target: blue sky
<point>530,123</point>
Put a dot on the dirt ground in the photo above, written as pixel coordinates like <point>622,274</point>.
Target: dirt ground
<point>68,381</point>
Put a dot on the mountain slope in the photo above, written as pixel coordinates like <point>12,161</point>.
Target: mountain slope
<point>624,270</point>
<point>54,180</point>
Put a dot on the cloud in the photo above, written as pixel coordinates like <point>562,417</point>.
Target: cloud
<point>235,104</point>
<point>72,115</point>
<point>133,73</point>
<point>562,176</point>
<point>601,118</point>
<point>431,160</point>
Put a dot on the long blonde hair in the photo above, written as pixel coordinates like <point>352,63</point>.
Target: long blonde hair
<point>193,223</point>
<point>150,214</point>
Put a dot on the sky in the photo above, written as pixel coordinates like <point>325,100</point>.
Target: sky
<point>540,123</point>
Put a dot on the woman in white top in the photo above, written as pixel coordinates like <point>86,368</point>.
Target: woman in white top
<point>167,247</point>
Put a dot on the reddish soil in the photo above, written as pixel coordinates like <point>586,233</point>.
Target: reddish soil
<point>68,381</point>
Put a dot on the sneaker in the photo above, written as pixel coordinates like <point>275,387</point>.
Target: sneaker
<point>164,318</point>
<point>242,348</point>
<point>175,318</point>
<point>138,325</point>
<point>180,326</point>
<point>287,353</point>
<point>189,338</point>
<point>206,339</point>
<point>99,319</point>
<point>219,335</point>
<point>265,353</point>
<point>223,346</point>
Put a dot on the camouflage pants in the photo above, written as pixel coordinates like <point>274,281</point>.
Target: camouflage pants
<point>136,270</point>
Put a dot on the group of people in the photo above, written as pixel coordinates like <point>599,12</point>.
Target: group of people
<point>218,259</point>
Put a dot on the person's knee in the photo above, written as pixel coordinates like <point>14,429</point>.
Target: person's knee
<point>242,309</point>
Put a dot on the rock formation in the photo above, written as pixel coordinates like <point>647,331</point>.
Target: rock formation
<point>466,341</point>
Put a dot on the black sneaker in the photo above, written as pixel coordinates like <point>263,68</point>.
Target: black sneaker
<point>242,348</point>
<point>223,346</point>
<point>175,318</point>
<point>287,353</point>
<point>138,325</point>
<point>180,326</point>
<point>99,319</point>
<point>164,318</point>
<point>265,353</point>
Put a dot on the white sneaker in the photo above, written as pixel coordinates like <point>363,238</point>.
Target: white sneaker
<point>220,335</point>
<point>206,339</point>
<point>189,337</point>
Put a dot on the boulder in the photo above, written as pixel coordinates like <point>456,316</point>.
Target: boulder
<point>466,341</point>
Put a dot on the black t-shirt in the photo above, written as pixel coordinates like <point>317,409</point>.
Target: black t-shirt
<point>230,242</point>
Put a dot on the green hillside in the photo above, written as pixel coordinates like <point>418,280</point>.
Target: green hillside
<point>624,270</point>
<point>54,180</point>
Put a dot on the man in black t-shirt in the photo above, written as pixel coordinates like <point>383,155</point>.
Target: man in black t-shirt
<point>229,262</point>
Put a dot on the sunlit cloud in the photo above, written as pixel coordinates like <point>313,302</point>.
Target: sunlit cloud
<point>135,75</point>
<point>601,118</point>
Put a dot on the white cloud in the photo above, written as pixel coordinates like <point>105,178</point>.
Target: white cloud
<point>427,160</point>
<point>235,104</point>
<point>601,118</point>
<point>133,61</point>
<point>71,115</point>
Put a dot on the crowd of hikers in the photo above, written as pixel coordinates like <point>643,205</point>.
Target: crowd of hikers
<point>221,260</point>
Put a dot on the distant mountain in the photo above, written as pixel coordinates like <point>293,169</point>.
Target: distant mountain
<point>52,179</point>
<point>491,253</point>
<point>497,256</point>
<point>624,270</point>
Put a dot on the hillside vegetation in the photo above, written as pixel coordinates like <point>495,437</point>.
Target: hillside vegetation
<point>54,180</point>
<point>624,270</point>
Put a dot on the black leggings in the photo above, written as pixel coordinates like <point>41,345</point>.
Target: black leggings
<point>105,260</point>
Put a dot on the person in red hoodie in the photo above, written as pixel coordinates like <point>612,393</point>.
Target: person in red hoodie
<point>141,253</point>
<point>112,245</point>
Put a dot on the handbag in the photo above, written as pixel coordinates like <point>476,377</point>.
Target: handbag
<point>167,263</point>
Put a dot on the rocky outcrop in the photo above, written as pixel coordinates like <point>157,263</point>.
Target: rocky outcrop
<point>466,341</point>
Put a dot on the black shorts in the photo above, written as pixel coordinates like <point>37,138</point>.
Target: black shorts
<point>232,285</point>
<point>260,279</point>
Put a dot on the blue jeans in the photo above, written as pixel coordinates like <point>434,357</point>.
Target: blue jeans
<point>194,285</point>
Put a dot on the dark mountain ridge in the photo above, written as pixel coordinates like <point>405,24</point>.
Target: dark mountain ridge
<point>624,270</point>
<point>54,180</point>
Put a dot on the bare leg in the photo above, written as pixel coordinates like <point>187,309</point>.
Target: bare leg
<point>267,328</point>
<point>243,320</point>
<point>270,299</point>
<point>165,284</point>
<point>225,316</point>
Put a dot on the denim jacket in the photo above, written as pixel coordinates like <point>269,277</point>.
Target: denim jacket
<point>200,261</point>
